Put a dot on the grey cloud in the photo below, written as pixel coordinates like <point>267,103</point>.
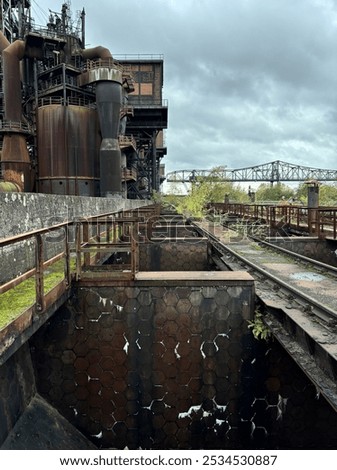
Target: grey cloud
<point>248,81</point>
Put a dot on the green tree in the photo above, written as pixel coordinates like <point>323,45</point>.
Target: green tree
<point>266,192</point>
<point>327,194</point>
<point>302,193</point>
<point>212,188</point>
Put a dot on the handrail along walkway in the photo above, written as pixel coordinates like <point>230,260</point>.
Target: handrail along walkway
<point>87,242</point>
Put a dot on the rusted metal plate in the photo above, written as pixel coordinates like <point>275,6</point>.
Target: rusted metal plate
<point>68,140</point>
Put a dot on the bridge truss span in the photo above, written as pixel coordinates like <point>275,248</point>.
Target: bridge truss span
<point>275,171</point>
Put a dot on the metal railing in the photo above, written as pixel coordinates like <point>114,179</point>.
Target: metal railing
<point>139,56</point>
<point>40,238</point>
<point>96,239</point>
<point>15,126</point>
<point>127,141</point>
<point>102,63</point>
<point>141,101</point>
<point>320,222</point>
<point>84,245</point>
<point>70,101</point>
<point>129,174</point>
<point>56,82</point>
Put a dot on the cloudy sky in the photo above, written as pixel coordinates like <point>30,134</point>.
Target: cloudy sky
<point>247,81</point>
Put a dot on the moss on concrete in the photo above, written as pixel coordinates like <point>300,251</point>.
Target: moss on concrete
<point>17,300</point>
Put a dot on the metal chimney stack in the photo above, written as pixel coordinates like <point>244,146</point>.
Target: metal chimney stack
<point>108,99</point>
<point>108,78</point>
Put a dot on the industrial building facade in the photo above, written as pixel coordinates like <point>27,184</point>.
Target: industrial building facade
<point>74,120</point>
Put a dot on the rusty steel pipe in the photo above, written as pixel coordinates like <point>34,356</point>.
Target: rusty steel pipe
<point>15,159</point>
<point>11,57</point>
<point>98,52</point>
<point>3,42</point>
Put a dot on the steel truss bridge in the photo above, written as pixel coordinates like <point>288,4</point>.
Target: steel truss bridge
<point>273,172</point>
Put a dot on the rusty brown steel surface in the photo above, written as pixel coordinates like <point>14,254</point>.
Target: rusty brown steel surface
<point>68,145</point>
<point>139,364</point>
<point>3,42</point>
<point>15,162</point>
<point>92,269</point>
<point>96,53</point>
<point>11,57</point>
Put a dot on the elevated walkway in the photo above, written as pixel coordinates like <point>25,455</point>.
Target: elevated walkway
<point>311,340</point>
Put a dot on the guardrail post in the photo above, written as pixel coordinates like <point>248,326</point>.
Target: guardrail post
<point>134,248</point>
<point>67,270</point>
<point>39,278</point>
<point>78,250</point>
<point>86,240</point>
<point>312,221</point>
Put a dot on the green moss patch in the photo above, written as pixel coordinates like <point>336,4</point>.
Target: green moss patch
<point>17,300</point>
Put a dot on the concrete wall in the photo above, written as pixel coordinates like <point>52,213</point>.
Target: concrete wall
<point>320,250</point>
<point>17,388</point>
<point>24,212</point>
<point>288,412</point>
<point>27,421</point>
<point>159,363</point>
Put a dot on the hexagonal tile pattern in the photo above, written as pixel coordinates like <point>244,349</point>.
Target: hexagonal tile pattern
<point>159,372</point>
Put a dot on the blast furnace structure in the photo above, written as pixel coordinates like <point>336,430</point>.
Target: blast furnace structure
<point>73,120</point>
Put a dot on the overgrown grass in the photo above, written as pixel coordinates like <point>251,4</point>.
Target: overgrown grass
<point>17,300</point>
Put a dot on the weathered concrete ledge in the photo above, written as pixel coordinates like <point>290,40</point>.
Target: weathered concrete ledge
<point>195,277</point>
<point>24,212</point>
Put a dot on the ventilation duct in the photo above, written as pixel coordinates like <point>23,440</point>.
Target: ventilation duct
<point>102,71</point>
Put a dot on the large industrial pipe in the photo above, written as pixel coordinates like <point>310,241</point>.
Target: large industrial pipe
<point>83,27</point>
<point>108,98</point>
<point>15,158</point>
<point>11,57</point>
<point>3,42</point>
<point>109,102</point>
<point>98,52</point>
